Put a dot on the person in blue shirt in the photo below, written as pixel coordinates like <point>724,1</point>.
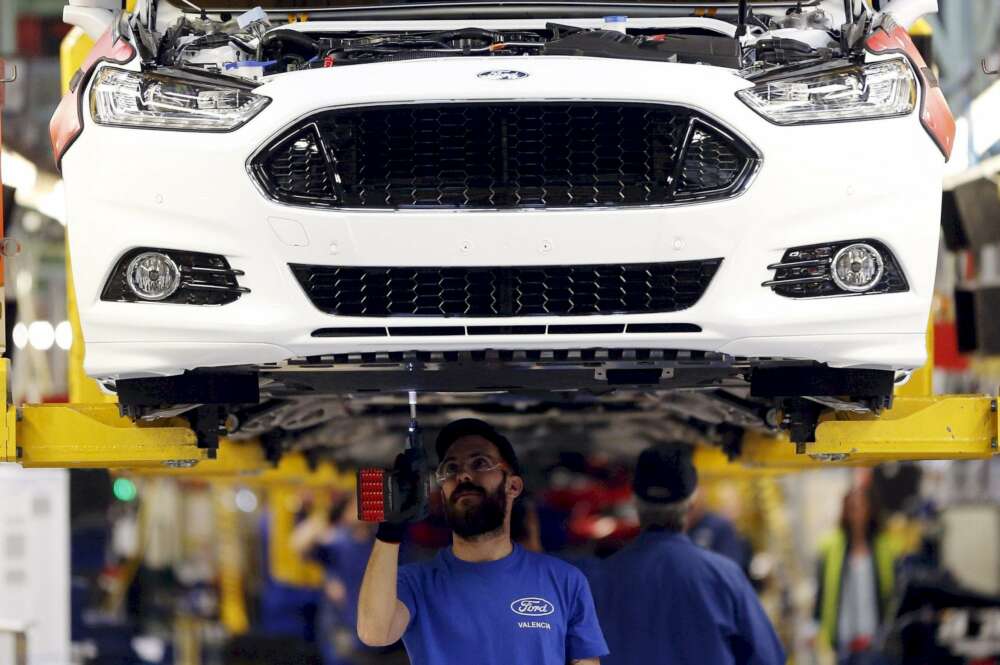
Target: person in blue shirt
<point>340,543</point>
<point>664,600</point>
<point>718,534</point>
<point>484,600</point>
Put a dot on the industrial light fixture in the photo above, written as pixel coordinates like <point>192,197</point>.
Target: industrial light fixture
<point>64,335</point>
<point>20,335</point>
<point>41,335</point>
<point>124,489</point>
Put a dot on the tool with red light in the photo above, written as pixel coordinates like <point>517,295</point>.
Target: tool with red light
<point>397,495</point>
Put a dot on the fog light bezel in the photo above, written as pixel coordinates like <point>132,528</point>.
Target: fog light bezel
<point>838,280</point>
<point>133,266</point>
<point>805,271</point>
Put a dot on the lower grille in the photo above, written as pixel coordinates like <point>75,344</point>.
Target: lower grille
<point>452,331</point>
<point>504,155</point>
<point>507,292</point>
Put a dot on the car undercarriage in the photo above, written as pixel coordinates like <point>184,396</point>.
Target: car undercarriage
<point>709,397</point>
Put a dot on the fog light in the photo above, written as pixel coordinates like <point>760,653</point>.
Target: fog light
<point>857,268</point>
<point>153,276</point>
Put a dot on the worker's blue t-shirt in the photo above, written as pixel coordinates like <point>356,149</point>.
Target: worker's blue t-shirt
<point>665,601</point>
<point>524,609</point>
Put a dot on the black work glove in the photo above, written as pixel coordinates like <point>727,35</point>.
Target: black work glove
<point>406,487</point>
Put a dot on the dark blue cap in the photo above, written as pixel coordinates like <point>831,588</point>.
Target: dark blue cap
<point>457,429</point>
<point>665,474</point>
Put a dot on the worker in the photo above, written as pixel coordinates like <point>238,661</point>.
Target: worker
<point>484,599</point>
<point>855,578</point>
<point>664,600</point>
<point>338,541</point>
<point>717,533</point>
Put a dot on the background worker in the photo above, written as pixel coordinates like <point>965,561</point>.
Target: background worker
<point>856,578</point>
<point>341,543</point>
<point>717,533</point>
<point>664,600</point>
<point>484,600</point>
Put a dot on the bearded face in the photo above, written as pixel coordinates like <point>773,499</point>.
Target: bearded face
<point>471,510</point>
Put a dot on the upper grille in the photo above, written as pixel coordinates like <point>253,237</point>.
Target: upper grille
<point>492,292</point>
<point>510,155</point>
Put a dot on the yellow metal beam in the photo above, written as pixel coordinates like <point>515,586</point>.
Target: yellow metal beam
<point>952,427</point>
<point>713,464</point>
<point>94,435</point>
<point>922,28</point>
<point>72,52</point>
<point>294,470</point>
<point>243,462</point>
<point>240,460</point>
<point>916,428</point>
<point>89,435</point>
<point>230,561</point>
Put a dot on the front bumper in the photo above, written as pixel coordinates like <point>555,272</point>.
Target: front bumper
<point>131,188</point>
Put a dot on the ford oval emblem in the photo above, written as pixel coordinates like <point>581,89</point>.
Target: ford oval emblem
<point>503,75</point>
<point>532,607</point>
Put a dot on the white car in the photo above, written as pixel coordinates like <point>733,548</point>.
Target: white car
<point>486,196</point>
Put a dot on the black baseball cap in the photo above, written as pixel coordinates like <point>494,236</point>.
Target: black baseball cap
<point>457,429</point>
<point>665,474</point>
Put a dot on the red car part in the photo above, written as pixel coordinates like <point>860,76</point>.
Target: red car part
<point>67,123</point>
<point>935,115</point>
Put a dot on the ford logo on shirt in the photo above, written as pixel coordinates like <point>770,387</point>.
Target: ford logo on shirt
<point>532,607</point>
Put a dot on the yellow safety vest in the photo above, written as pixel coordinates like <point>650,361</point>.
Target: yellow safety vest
<point>886,551</point>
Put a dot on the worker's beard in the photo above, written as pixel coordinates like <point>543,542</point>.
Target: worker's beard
<point>477,520</point>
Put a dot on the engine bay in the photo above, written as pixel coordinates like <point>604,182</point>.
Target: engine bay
<point>250,47</point>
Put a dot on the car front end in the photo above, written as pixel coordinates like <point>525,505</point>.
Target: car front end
<point>535,191</point>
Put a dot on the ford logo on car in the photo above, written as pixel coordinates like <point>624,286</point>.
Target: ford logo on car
<point>503,75</point>
<point>532,607</point>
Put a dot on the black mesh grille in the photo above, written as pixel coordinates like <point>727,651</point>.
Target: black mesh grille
<point>488,292</point>
<point>510,155</point>
<point>711,163</point>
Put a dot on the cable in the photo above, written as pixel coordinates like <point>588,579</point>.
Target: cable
<point>241,45</point>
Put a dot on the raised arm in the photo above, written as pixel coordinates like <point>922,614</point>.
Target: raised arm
<point>382,617</point>
<point>309,532</point>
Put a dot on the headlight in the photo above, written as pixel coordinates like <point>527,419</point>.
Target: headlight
<point>133,99</point>
<point>861,92</point>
